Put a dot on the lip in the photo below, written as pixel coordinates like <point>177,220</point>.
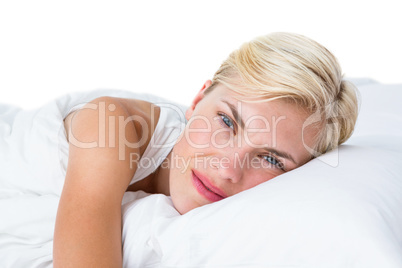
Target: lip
<point>201,183</point>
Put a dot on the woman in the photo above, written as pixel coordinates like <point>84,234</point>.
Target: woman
<point>273,105</point>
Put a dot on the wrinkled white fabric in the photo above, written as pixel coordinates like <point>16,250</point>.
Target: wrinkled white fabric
<point>33,161</point>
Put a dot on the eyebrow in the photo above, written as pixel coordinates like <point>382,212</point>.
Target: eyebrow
<point>235,113</point>
<point>240,121</point>
<point>281,154</point>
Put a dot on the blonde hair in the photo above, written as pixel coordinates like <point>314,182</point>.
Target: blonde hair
<point>294,67</point>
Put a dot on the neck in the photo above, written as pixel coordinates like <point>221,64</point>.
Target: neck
<point>161,177</point>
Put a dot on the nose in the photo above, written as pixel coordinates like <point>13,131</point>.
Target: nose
<point>231,165</point>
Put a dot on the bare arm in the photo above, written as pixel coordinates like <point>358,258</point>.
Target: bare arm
<point>88,223</point>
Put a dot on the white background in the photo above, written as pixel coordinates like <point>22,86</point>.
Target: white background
<point>169,48</point>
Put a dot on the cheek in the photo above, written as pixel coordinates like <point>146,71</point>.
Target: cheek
<point>256,176</point>
<point>258,180</point>
<point>182,194</point>
<point>222,138</point>
<point>180,186</point>
<point>198,132</point>
<point>197,139</point>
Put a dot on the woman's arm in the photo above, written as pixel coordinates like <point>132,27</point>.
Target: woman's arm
<point>88,224</point>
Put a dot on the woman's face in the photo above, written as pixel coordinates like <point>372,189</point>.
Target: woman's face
<point>229,146</point>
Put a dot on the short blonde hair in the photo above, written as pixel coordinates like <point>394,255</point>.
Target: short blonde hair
<point>294,67</point>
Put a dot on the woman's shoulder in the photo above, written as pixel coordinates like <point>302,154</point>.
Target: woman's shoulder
<point>145,109</point>
<point>143,114</point>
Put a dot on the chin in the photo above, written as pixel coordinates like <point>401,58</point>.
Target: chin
<point>182,205</point>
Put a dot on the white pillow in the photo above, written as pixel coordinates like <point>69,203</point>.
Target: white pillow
<point>343,209</point>
<point>380,111</point>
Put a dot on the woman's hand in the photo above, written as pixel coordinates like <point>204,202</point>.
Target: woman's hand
<point>88,223</point>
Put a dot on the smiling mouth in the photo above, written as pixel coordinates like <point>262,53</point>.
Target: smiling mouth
<point>205,191</point>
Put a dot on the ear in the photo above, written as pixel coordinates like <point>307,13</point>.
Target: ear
<point>200,95</point>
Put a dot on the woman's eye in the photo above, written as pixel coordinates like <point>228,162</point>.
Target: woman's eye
<point>273,161</point>
<point>227,121</point>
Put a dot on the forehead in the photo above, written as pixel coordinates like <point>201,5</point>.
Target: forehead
<point>258,110</point>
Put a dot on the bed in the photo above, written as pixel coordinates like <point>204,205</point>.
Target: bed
<point>343,209</point>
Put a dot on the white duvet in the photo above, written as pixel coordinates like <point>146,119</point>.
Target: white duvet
<point>341,210</point>
<point>33,161</point>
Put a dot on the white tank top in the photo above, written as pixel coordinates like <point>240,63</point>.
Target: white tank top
<point>170,125</point>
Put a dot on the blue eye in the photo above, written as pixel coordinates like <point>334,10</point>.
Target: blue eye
<point>273,161</point>
<point>227,121</point>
